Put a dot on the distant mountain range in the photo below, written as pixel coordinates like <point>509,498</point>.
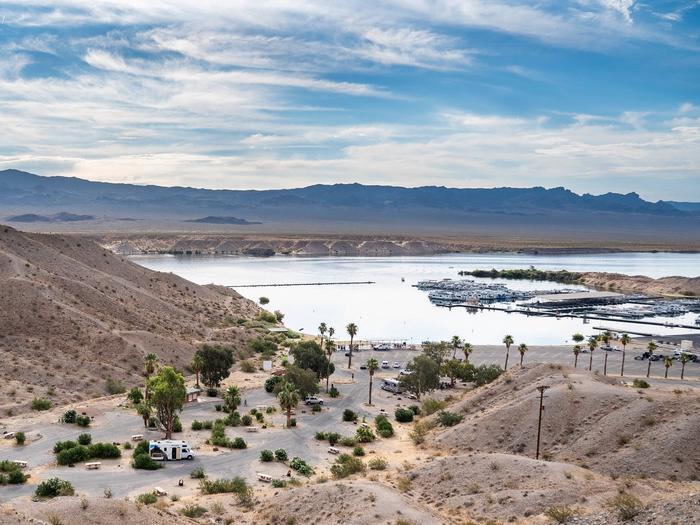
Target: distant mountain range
<point>57,217</point>
<point>212,219</point>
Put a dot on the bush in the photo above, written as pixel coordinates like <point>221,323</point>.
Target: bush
<point>192,510</point>
<point>415,409</point>
<point>127,445</point>
<point>333,438</point>
<point>54,487</point>
<point>239,443</point>
<point>177,424</point>
<point>271,383</point>
<point>349,415</point>
<point>281,454</point>
<point>484,374</point>
<point>20,438</point>
<point>11,473</point>
<point>384,426</point>
<point>348,441</point>
<point>198,473</point>
<point>248,366</point>
<point>141,447</point>
<point>114,386</point>
<point>83,421</point>
<point>404,415</point>
<point>278,483</point>
<point>16,477</point>
<point>261,417</point>
<point>378,464</point>
<point>561,514</point>
<point>640,383</point>
<point>430,406</point>
<point>449,419</point>
<point>358,451</point>
<point>316,408</point>
<point>63,445</point>
<point>301,466</point>
<point>346,465</point>
<point>147,498</point>
<point>625,505</point>
<point>73,455</point>
<point>197,425</point>
<point>84,439</point>
<point>246,420</point>
<point>145,462</point>
<point>263,300</point>
<point>39,403</point>
<point>267,455</point>
<point>104,451</point>
<point>267,317</point>
<point>321,436</point>
<point>69,416</point>
<point>232,420</point>
<point>236,485</point>
<point>212,391</point>
<point>293,422</point>
<point>333,392</point>
<point>364,435</point>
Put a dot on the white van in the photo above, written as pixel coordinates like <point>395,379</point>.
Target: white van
<point>170,450</point>
<point>385,364</point>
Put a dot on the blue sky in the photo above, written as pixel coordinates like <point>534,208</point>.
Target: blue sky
<point>594,95</point>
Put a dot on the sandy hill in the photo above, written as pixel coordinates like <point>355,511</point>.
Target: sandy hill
<point>589,420</point>
<point>672,286</point>
<point>73,314</point>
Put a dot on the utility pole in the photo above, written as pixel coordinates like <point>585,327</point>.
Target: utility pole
<point>605,366</point>
<point>539,420</point>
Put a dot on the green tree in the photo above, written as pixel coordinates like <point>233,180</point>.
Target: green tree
<point>467,350</point>
<point>456,343</point>
<point>507,340</point>
<point>624,341</point>
<point>372,367</point>
<point>592,345</point>
<point>454,369</point>
<point>577,351</point>
<point>168,394</point>
<point>322,329</point>
<point>304,381</point>
<point>196,366</point>
<point>330,348</point>
<point>216,364</point>
<point>144,410</point>
<point>684,359</point>
<point>651,348</point>
<point>522,348</point>
<point>423,376</point>
<point>308,354</point>
<point>437,351</point>
<point>150,363</point>
<point>263,300</point>
<point>232,398</point>
<point>668,362</point>
<point>352,332</point>
<point>135,395</point>
<point>288,398</point>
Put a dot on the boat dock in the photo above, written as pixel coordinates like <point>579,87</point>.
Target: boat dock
<point>297,284</point>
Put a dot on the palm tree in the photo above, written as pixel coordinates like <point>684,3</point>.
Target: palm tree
<point>456,342</point>
<point>668,362</point>
<point>322,329</point>
<point>651,347</point>
<point>507,340</point>
<point>149,367</point>
<point>331,332</point>
<point>684,359</point>
<point>577,338</point>
<point>592,345</point>
<point>577,351</point>
<point>624,341</point>
<point>522,348</point>
<point>352,332</point>
<point>196,366</point>
<point>330,348</point>
<point>144,410</point>
<point>232,398</point>
<point>467,348</point>
<point>288,398</point>
<point>372,367</point>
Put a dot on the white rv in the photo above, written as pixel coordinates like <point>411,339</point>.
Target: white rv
<point>170,450</point>
<point>392,385</point>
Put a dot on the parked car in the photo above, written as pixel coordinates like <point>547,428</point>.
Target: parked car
<point>313,400</point>
<point>385,364</point>
<point>363,367</point>
<point>397,364</point>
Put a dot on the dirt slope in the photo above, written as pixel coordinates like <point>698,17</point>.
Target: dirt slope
<point>671,286</point>
<point>73,314</point>
<point>589,420</point>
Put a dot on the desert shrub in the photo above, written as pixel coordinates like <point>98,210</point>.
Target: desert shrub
<point>349,415</point>
<point>145,462</point>
<point>236,485</point>
<point>364,435</point>
<point>73,455</point>
<point>484,374</point>
<point>430,406</point>
<point>419,433</point>
<point>197,425</point>
<point>267,455</point>
<point>561,514</point>
<point>301,466</point>
<point>403,483</point>
<point>281,454</point>
<point>271,383</point>
<point>640,383</point>
<point>348,441</point>
<point>84,439</point>
<point>267,317</point>
<point>63,445</point>
<point>279,483</point>
<point>261,417</point>
<point>316,408</point>
<point>378,464</point>
<point>404,415</point>
<point>232,420</point>
<point>246,420</point>
<point>293,422</point>
<point>212,391</point>
<point>321,436</point>
<point>239,443</point>
<point>191,510</point>
<point>384,426</point>
<point>333,392</point>
<point>625,505</point>
<point>127,446</point>
<point>69,416</point>
<point>346,465</point>
<point>20,438</point>
<point>449,419</point>
<point>177,424</point>
<point>39,403</point>
<point>16,477</point>
<point>104,451</point>
<point>82,421</point>
<point>415,409</point>
<point>248,366</point>
<point>114,386</point>
<point>333,438</point>
<point>11,473</point>
<point>263,300</point>
<point>147,498</point>
<point>141,447</point>
<point>54,487</point>
<point>198,473</point>
<point>358,451</point>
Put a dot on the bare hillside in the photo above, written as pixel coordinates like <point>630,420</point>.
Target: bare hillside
<point>73,314</point>
<point>671,286</point>
<point>589,420</point>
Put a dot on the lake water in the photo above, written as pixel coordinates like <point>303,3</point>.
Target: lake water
<point>395,310</point>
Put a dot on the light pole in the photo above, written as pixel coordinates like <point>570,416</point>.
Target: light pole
<point>539,419</point>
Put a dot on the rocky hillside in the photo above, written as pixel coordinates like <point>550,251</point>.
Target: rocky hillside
<point>670,286</point>
<point>73,315</point>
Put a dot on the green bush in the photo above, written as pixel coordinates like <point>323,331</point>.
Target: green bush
<point>198,473</point>
<point>267,455</point>
<point>83,421</point>
<point>333,392</point>
<point>239,443</point>
<point>321,436</point>
<point>279,483</point>
<point>293,422</point>
<point>301,466</point>
<point>11,473</point>
<point>54,487</point>
<point>197,425</point>
<point>448,419</point>
<point>358,451</point>
<point>84,439</point>
<point>430,406</point>
<point>348,441</point>
<point>378,464</point>
<point>177,424</point>
<point>236,485</point>
<point>208,425</point>
<point>246,420</point>
<point>17,477</point>
<point>271,383</point>
<point>145,462</point>
<point>346,465</point>
<point>404,415</point>
<point>104,451</point>
<point>560,514</point>
<point>248,366</point>
<point>69,416</point>
<point>364,435</point>
<point>141,447</point>
<point>316,408</point>
<point>349,415</point>
<point>281,454</point>
<point>267,317</point>
<point>71,456</point>
<point>261,417</point>
<point>384,426</point>
<point>640,383</point>
<point>39,403</point>
<point>20,438</point>
<point>233,419</point>
<point>333,437</point>
<point>484,374</point>
<point>147,498</point>
<point>63,445</point>
<point>192,510</point>
<point>415,409</point>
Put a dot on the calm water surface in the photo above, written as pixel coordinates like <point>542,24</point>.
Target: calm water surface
<point>392,309</point>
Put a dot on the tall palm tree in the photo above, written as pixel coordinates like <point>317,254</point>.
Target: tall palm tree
<point>372,367</point>
<point>624,341</point>
<point>668,362</point>
<point>507,340</point>
<point>232,398</point>
<point>606,337</point>
<point>577,338</point>
<point>150,362</point>
<point>592,345</point>
<point>467,349</point>
<point>456,342</point>
<point>330,348</point>
<point>352,332</point>
<point>196,366</point>
<point>577,351</point>
<point>651,348</point>
<point>322,329</point>
<point>684,359</point>
<point>288,398</point>
<point>331,332</point>
<point>522,348</point>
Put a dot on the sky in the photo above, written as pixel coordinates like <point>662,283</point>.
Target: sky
<point>593,95</point>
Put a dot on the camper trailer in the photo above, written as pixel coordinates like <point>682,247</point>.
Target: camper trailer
<point>392,385</point>
<point>170,450</point>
